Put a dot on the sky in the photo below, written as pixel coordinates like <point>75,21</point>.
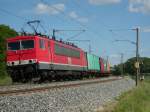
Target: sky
<point>98,22</point>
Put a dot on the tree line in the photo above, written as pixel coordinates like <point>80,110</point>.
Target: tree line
<point>129,68</point>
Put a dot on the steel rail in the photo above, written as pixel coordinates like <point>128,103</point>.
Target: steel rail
<point>41,89</point>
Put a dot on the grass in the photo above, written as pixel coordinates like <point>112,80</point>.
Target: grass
<point>4,77</point>
<point>5,80</point>
<point>136,100</point>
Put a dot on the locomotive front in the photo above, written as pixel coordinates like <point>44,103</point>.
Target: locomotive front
<point>21,57</point>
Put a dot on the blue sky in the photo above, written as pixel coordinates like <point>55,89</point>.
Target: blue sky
<point>103,20</point>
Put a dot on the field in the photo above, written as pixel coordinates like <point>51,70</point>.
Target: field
<point>136,100</point>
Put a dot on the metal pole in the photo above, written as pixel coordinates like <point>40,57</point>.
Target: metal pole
<point>122,64</point>
<point>107,61</point>
<point>137,55</point>
<point>53,36</point>
<point>90,48</point>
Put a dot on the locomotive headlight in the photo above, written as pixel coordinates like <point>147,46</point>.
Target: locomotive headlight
<point>30,61</point>
<point>13,63</point>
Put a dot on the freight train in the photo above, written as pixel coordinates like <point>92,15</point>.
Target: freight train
<point>36,56</point>
<point>39,57</point>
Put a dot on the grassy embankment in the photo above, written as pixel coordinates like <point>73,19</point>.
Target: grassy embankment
<point>4,77</point>
<point>136,100</point>
<point>6,80</point>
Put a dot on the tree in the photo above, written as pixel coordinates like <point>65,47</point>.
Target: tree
<point>116,70</point>
<point>5,32</point>
<point>145,65</point>
<point>129,66</point>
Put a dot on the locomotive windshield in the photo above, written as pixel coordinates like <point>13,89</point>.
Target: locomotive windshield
<point>14,45</point>
<point>27,44</point>
<point>21,45</point>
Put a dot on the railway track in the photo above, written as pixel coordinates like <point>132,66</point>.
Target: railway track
<point>57,86</point>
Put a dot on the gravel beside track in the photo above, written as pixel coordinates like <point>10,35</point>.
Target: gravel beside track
<point>19,86</point>
<point>84,98</point>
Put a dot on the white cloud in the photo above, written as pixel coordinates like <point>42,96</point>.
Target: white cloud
<point>74,15</point>
<point>103,2</point>
<point>42,8</point>
<point>142,6</point>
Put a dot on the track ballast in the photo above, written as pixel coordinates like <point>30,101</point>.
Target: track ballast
<point>33,88</point>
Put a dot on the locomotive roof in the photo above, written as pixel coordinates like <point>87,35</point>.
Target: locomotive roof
<point>44,37</point>
<point>20,37</point>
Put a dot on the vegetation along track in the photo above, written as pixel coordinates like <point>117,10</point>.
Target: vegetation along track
<point>40,89</point>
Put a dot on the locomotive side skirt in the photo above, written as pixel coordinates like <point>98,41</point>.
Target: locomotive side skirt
<point>59,66</point>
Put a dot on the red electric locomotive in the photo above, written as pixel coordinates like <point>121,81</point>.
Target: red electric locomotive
<point>36,56</point>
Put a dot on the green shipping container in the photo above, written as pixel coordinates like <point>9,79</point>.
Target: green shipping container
<point>93,62</point>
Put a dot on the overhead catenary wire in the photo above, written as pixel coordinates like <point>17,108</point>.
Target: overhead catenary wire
<point>89,49</point>
<point>16,16</point>
<point>120,29</point>
<point>86,11</point>
<point>116,34</point>
<point>12,14</point>
<point>73,19</point>
<point>137,52</point>
<point>72,37</point>
<point>62,12</point>
<point>63,30</point>
<point>19,17</point>
<point>24,19</point>
<point>82,8</point>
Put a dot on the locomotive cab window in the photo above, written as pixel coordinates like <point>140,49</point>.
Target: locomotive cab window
<point>13,46</point>
<point>27,44</point>
<point>42,44</point>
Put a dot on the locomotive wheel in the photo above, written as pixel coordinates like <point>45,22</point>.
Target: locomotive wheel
<point>43,76</point>
<point>15,76</point>
<point>50,76</point>
<point>30,75</point>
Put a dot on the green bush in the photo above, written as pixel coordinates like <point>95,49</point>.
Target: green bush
<point>5,32</point>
